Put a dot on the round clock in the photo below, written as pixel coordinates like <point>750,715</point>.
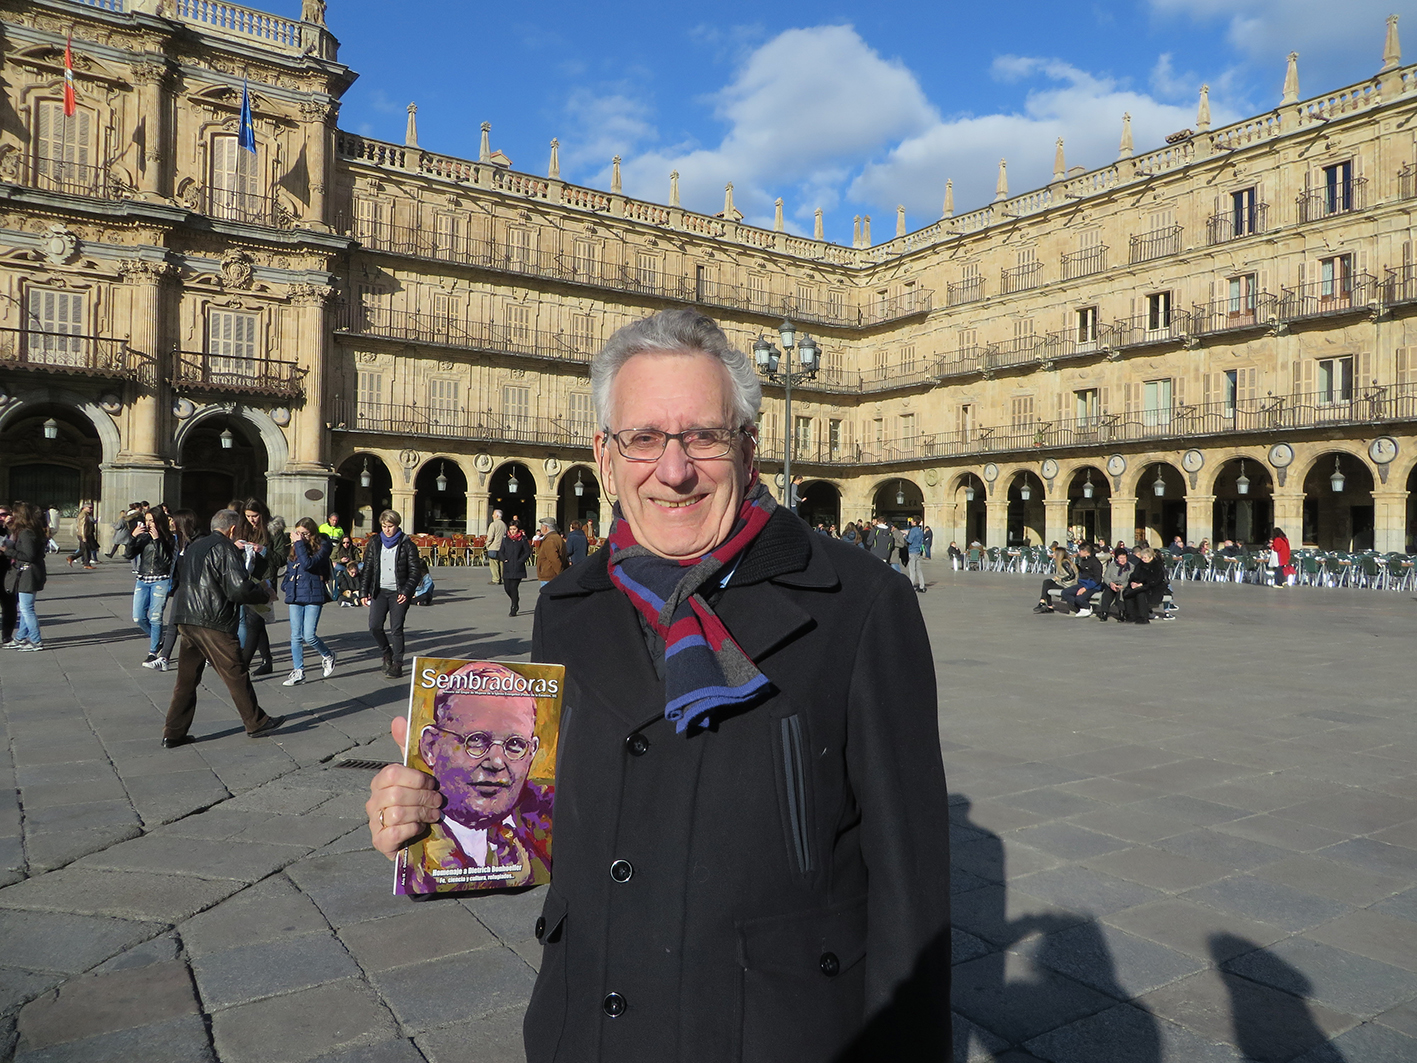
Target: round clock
<point>1280,455</point>
<point>1192,461</point>
<point>1382,450</point>
<point>1116,465</point>
<point>991,472</point>
<point>1049,468</point>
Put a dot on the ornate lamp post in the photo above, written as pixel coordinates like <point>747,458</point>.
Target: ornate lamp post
<point>776,367</point>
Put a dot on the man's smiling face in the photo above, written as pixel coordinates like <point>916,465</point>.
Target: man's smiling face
<point>678,507</point>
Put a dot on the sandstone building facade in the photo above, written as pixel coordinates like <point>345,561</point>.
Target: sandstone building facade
<point>1203,340</point>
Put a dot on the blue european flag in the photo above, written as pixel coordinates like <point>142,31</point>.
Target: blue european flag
<point>246,135</point>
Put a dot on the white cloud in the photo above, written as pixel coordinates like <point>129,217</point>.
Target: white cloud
<point>616,123</point>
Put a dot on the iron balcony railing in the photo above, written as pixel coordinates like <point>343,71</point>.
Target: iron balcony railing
<point>1085,262</point>
<point>1347,294</point>
<point>398,419</point>
<point>201,372</point>
<point>1171,326</point>
<point>250,208</point>
<point>1340,197</point>
<point>1158,244</point>
<point>63,352</point>
<point>71,178</point>
<point>966,361</point>
<point>446,331</point>
<point>966,291</point>
<point>1407,182</point>
<point>1257,310</point>
<point>1021,278</point>
<point>1236,223</point>
<point>1400,286</point>
<point>1076,342</point>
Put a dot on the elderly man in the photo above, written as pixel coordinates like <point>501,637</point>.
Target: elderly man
<point>480,748</point>
<point>496,532</point>
<point>751,831</point>
<point>551,557</point>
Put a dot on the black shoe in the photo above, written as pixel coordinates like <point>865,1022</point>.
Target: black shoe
<point>397,671</point>
<point>1041,608</point>
<point>173,743</point>
<point>150,658</point>
<point>512,613</point>
<point>1102,617</point>
<point>264,668</point>
<point>272,722</point>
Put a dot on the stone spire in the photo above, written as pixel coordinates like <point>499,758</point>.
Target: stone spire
<point>866,231</point>
<point>484,153</point>
<point>673,188</point>
<point>553,168</point>
<point>728,210</point>
<point>777,226</point>
<point>1060,166</point>
<point>1392,51</point>
<point>900,220</point>
<point>949,211</point>
<point>1203,111</point>
<point>615,175</point>
<point>410,131</point>
<point>856,230</point>
<point>1125,150</point>
<point>1291,80</point>
<point>1001,186</point>
<point>817,231</point>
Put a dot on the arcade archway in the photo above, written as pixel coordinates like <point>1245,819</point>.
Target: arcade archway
<point>1090,506</point>
<point>1244,501</point>
<point>898,500</point>
<point>50,455</point>
<point>363,489</point>
<point>578,498</point>
<point>1027,520</point>
<point>512,489</point>
<point>1161,505</point>
<point>1338,503</point>
<point>820,503</point>
<point>971,507</point>
<point>222,458</point>
<point>440,505</point>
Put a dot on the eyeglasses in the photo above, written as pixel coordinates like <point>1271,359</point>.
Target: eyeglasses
<point>649,444</point>
<point>478,744</point>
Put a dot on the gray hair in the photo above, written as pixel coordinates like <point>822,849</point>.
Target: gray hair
<point>225,520</point>
<point>276,527</point>
<point>550,525</point>
<point>680,331</point>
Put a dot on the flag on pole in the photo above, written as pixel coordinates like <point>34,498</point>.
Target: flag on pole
<point>69,103</point>
<point>246,135</point>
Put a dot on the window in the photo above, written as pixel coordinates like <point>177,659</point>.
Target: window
<point>836,305</point>
<point>1087,324</point>
<point>58,318</point>
<point>1023,334</point>
<point>964,422</point>
<point>1158,311</point>
<point>583,334</point>
<point>442,314</point>
<point>907,358</point>
<point>968,339</point>
<point>1242,213</point>
<point>1338,187</point>
<point>802,434</point>
<point>375,309</point>
<point>442,403</point>
<point>1021,411</point>
<point>516,405</point>
<point>369,402</point>
<point>445,234</point>
<point>883,299</point>
<point>880,424</point>
<point>580,409</point>
<point>1336,277</point>
<point>834,437</point>
<point>520,249</point>
<point>880,361</point>
<point>61,147</point>
<point>368,221</point>
<point>234,191</point>
<point>1156,403</point>
<point>1335,380</point>
<point>907,297</point>
<point>757,289</point>
<point>587,260</point>
<point>1085,406</point>
<point>1242,297</point>
<point>1230,387</point>
<point>519,330</point>
<point>646,271</point>
<point>806,300</point>
<point>231,344</point>
<point>907,430</point>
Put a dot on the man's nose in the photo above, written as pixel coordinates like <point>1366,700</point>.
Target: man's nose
<point>674,466</point>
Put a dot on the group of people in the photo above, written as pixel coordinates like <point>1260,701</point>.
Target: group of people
<point>1128,587</point>
<point>509,549</point>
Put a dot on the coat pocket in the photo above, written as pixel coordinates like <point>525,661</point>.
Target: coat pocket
<point>546,1013</point>
<point>795,771</point>
<point>804,983</point>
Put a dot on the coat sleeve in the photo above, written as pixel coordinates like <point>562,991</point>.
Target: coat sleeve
<point>898,776</point>
<point>235,583</point>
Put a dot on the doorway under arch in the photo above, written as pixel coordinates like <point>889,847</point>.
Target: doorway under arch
<point>1338,503</point>
<point>440,504</point>
<point>1161,510</point>
<point>1244,502</point>
<point>359,505</point>
<point>221,458</point>
<point>578,498</point>
<point>972,522</point>
<point>898,500</point>
<point>55,474</point>
<point>1027,524</point>
<point>820,503</point>
<point>512,489</point>
<point>1090,506</point>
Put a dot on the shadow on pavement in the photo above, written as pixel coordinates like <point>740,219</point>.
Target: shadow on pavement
<point>1271,1024</point>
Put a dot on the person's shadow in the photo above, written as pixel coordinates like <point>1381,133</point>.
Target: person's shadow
<point>1271,1024</point>
<point>1007,986</point>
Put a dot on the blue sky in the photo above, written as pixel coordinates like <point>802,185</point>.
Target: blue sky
<point>850,108</point>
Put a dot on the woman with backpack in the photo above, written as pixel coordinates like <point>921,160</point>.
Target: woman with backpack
<point>307,574</point>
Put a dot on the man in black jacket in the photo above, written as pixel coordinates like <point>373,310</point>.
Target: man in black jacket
<point>751,853</point>
<point>212,586</point>
<point>390,578</point>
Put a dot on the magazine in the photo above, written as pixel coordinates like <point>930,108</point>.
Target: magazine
<point>486,731</point>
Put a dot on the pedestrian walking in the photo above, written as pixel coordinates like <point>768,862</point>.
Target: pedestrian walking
<point>123,529</point>
<point>929,536</point>
<point>390,577</point>
<point>551,557</point>
<point>307,574</point>
<point>577,546</point>
<point>26,546</point>
<point>496,532</point>
<point>213,586</point>
<point>258,543</point>
<point>85,537</point>
<point>184,533</point>
<point>515,551</point>
<point>9,601</point>
<point>331,529</point>
<point>879,540</point>
<point>152,552</point>
<point>914,551</point>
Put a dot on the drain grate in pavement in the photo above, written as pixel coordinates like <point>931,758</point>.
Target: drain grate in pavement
<point>367,765</point>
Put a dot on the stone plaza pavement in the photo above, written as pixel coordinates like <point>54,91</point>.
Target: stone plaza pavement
<point>1194,841</point>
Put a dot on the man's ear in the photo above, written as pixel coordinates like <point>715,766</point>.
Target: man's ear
<point>601,447</point>
<point>426,738</point>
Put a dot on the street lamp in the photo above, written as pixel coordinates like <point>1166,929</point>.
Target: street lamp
<point>442,480</point>
<point>227,439</point>
<point>776,367</point>
<point>1337,479</point>
<point>1158,487</point>
<point>512,484</point>
<point>900,493</point>
<point>51,429</point>
<point>1025,492</point>
<point>364,478</point>
<point>969,492</point>
<point>1087,485</point>
<point>1242,482</point>
<point>579,487</point>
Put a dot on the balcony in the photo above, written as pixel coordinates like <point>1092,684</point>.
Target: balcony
<point>71,178</point>
<point>1236,224</point>
<point>203,373</point>
<point>1084,263</point>
<point>968,290</point>
<point>1341,197</point>
<point>101,357</point>
<point>1257,311</point>
<point>1158,244</point>
<point>1351,294</point>
<point>1400,288</point>
<point>249,208</point>
<point>1021,278</point>
<point>965,361</point>
<point>1075,342</point>
<point>1152,328</point>
<point>442,330</point>
<point>398,419</point>
<point>1407,182</point>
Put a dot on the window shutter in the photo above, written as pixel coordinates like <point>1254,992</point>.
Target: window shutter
<point>1106,400</point>
<point>1208,386</point>
<point>1363,369</point>
<point>1178,391</point>
<point>1405,374</point>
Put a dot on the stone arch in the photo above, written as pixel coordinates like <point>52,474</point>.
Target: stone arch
<point>1215,463</point>
<point>1089,516</point>
<point>819,501</point>
<point>1334,520</point>
<point>439,512</point>
<point>1312,455</point>
<point>521,502</point>
<point>886,490</point>
<point>1160,518</point>
<point>1027,517</point>
<point>359,506</point>
<point>585,506</point>
<point>271,437</point>
<point>109,435</point>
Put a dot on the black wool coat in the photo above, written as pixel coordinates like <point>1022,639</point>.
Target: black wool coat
<point>775,887</point>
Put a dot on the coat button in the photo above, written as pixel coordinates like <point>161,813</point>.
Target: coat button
<point>540,926</point>
<point>622,870</point>
<point>637,745</point>
<point>829,964</point>
<point>614,1005</point>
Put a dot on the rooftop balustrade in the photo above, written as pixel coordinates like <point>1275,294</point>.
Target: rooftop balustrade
<point>80,355</point>
<point>205,373</point>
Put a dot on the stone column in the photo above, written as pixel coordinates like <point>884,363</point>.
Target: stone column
<point>1389,520</point>
<point>1200,518</point>
<point>153,74</point>
<point>996,522</point>
<point>403,505</point>
<point>1288,514</point>
<point>477,518</point>
<point>148,284</point>
<point>1055,520</point>
<point>319,114</point>
<point>1124,517</point>
<point>546,506</point>
<point>310,301</point>
<point>607,506</point>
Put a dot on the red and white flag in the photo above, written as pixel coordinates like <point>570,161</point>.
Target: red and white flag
<point>69,104</point>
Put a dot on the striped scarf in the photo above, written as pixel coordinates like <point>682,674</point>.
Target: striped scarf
<point>703,667</point>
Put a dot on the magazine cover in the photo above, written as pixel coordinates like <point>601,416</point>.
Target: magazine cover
<point>486,730</point>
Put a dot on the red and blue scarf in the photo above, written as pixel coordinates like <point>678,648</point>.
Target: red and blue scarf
<point>703,667</point>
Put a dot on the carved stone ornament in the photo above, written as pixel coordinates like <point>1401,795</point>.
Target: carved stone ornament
<point>139,271</point>
<point>59,244</point>
<point>991,472</point>
<point>932,477</point>
<point>311,294</point>
<point>446,366</point>
<point>108,402</point>
<point>183,409</point>
<point>281,416</point>
<point>236,270</point>
<point>408,458</point>
<point>552,466</point>
<point>482,462</point>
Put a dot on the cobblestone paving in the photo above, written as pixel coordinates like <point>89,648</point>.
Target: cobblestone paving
<point>1191,842</point>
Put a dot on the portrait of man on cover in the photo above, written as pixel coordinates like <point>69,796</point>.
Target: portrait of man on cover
<point>496,822</point>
